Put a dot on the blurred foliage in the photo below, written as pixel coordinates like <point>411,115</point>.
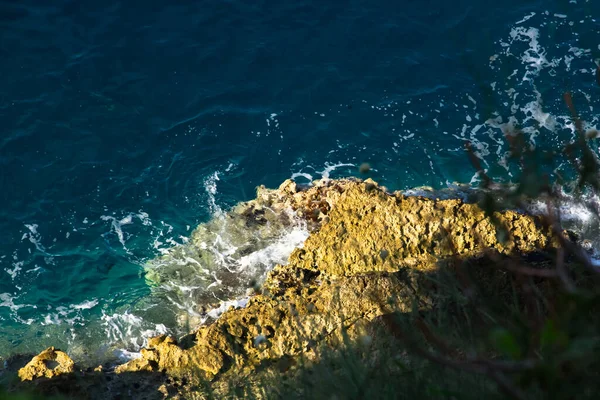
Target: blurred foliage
<point>537,336</point>
<point>6,395</point>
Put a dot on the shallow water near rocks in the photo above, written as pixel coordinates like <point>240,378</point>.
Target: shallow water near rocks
<point>125,126</point>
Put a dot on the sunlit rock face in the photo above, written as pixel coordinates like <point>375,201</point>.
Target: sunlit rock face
<point>365,257</point>
<point>370,230</point>
<point>48,364</point>
<point>344,274</point>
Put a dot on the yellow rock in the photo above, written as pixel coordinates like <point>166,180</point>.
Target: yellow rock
<point>371,231</point>
<point>49,363</point>
<point>343,277</point>
<point>163,353</point>
<point>364,258</point>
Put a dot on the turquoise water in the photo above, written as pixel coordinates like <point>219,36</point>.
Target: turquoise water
<point>126,124</point>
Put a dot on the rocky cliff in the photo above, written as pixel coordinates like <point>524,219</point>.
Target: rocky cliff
<point>365,257</point>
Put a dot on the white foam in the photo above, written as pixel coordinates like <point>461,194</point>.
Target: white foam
<point>125,355</point>
<point>527,45</point>
<point>277,252</point>
<point>534,111</point>
<point>70,316</point>
<point>116,227</point>
<point>17,267</point>
<point>570,209</point>
<point>116,224</point>
<point>7,300</point>
<point>210,185</point>
<point>215,313</point>
<point>305,175</point>
<point>325,173</point>
<point>34,237</point>
<point>272,124</point>
<point>129,330</point>
<point>525,19</point>
<point>535,56</point>
<point>144,218</point>
<point>86,305</point>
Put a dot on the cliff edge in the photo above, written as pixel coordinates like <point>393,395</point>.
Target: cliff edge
<point>366,256</point>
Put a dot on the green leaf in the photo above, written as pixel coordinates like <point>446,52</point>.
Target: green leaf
<point>505,342</point>
<point>552,336</point>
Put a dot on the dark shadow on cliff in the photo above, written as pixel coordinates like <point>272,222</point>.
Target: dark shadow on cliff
<point>95,385</point>
<point>469,316</point>
<point>490,333</point>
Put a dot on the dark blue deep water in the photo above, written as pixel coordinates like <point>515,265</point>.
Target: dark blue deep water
<point>123,125</point>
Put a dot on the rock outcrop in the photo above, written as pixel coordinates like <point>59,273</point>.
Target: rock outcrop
<point>48,364</point>
<point>345,274</point>
<point>372,231</point>
<point>364,259</point>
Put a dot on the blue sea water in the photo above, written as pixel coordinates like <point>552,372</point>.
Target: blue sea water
<point>126,124</point>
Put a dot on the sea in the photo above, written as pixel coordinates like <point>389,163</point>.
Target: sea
<point>125,125</point>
